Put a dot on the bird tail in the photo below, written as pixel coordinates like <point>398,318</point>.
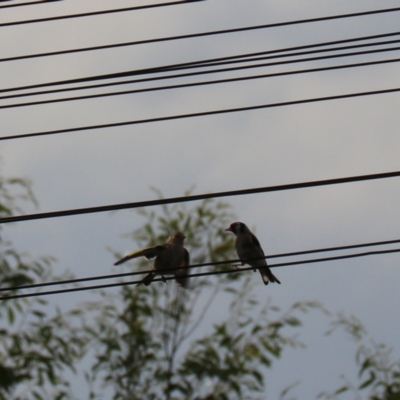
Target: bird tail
<point>182,278</point>
<point>268,276</point>
<point>148,253</point>
<point>122,260</point>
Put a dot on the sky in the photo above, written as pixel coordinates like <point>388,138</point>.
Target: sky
<point>232,151</point>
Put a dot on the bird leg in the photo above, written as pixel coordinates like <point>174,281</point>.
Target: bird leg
<point>163,279</point>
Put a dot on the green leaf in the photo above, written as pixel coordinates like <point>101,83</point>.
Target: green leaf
<point>369,381</point>
<point>342,389</point>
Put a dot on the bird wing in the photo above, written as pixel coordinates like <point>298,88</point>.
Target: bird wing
<point>256,243</point>
<point>151,252</point>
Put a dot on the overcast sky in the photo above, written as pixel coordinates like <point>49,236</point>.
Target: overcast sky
<point>216,153</point>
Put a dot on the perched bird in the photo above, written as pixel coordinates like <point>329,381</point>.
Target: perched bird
<point>247,247</point>
<point>171,254</point>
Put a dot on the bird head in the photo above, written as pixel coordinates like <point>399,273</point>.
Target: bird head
<point>237,228</point>
<point>177,237</point>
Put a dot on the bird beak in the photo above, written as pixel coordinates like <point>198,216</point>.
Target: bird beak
<point>228,229</point>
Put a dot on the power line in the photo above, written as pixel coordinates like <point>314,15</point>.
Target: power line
<point>215,263</point>
<point>148,41</point>
<point>185,199</point>
<point>208,63</point>
<point>196,84</point>
<point>32,3</point>
<point>285,264</point>
<point>187,75</point>
<point>101,12</point>
<point>261,56</point>
<point>129,73</point>
<point>273,25</point>
<point>200,114</point>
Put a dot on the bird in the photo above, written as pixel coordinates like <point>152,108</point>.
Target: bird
<point>169,255</point>
<point>248,247</point>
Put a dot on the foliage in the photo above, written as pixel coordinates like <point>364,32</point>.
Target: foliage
<point>34,348</point>
<point>153,343</point>
<point>213,341</point>
<point>379,375</point>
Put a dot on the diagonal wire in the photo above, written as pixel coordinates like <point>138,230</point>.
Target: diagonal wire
<point>32,3</point>
<point>236,270</point>
<point>200,114</point>
<point>273,25</point>
<point>95,13</point>
<point>117,45</point>
<point>259,56</point>
<point>185,199</point>
<point>215,263</point>
<point>196,84</point>
<point>139,42</point>
<point>181,76</point>
<point>209,63</point>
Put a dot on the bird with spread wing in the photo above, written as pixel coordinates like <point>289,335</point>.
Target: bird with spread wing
<point>167,256</point>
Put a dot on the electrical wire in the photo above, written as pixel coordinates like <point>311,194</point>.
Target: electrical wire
<point>122,275</point>
<point>189,84</point>
<point>210,63</point>
<point>199,114</point>
<point>32,3</point>
<point>236,270</point>
<point>148,41</point>
<point>273,25</point>
<point>53,1</point>
<point>101,12</point>
<point>191,65</point>
<point>196,84</point>
<point>198,64</point>
<point>204,196</point>
<point>186,75</point>
<point>246,58</point>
